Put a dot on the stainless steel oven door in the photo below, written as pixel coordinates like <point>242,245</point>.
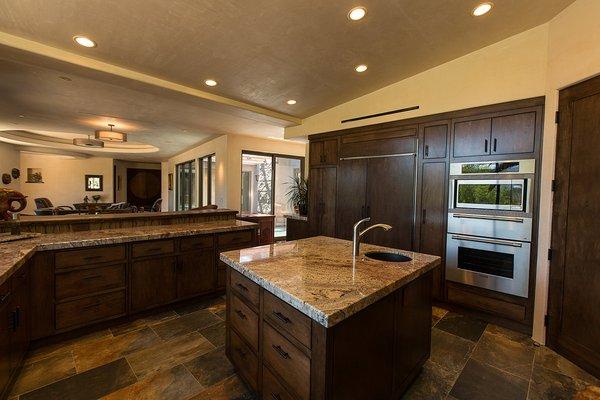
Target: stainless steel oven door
<point>495,264</point>
<point>495,226</point>
<point>491,194</point>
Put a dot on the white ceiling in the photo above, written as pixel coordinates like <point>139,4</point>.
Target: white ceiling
<point>262,52</point>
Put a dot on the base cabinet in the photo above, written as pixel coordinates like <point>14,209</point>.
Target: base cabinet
<point>153,282</point>
<point>377,352</point>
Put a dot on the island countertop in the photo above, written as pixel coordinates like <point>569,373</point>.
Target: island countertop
<point>14,254</point>
<point>319,277</point>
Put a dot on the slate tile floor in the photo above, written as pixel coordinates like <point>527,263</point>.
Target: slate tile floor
<point>179,354</point>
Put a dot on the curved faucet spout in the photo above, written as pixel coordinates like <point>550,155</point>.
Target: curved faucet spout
<point>358,236</point>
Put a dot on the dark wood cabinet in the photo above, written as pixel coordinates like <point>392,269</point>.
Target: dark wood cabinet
<point>323,152</point>
<point>153,282</point>
<point>266,226</point>
<point>195,273</point>
<point>435,138</point>
<point>5,335</point>
<point>472,138</point>
<point>432,232</point>
<point>322,200</point>
<point>351,195</point>
<point>297,229</point>
<point>512,134</point>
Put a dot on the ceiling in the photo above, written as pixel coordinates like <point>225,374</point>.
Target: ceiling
<point>146,74</point>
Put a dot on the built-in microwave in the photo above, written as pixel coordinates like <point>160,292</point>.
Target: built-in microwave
<point>492,186</point>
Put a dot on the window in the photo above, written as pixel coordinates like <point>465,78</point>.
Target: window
<point>266,178</point>
<point>185,186</point>
<point>208,167</point>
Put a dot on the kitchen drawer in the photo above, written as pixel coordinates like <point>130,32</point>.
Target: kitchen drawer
<point>244,360</point>
<point>244,320</point>
<point>239,239</point>
<point>245,287</point>
<point>196,242</point>
<point>75,258</point>
<point>87,281</point>
<point>499,307</point>
<point>286,317</point>
<point>90,309</point>
<point>287,361</point>
<point>152,248</point>
<point>272,388</point>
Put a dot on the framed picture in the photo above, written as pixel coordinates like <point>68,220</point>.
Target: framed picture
<point>34,175</point>
<point>170,181</point>
<point>93,183</point>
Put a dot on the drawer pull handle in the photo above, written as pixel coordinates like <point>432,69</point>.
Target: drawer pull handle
<point>275,396</point>
<point>240,314</point>
<point>91,306</point>
<point>241,352</point>
<point>154,249</point>
<point>281,352</point>
<point>89,258</point>
<point>282,317</point>
<point>244,288</point>
<point>93,276</point>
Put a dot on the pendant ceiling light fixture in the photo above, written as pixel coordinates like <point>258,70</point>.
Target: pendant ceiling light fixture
<point>89,142</point>
<point>111,136</point>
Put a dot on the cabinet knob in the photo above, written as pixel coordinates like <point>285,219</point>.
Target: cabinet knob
<point>485,146</point>
<point>495,144</point>
<point>426,150</point>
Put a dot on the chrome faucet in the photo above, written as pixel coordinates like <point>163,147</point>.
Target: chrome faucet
<point>356,237</point>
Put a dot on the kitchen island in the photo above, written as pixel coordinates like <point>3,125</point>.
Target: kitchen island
<point>307,321</point>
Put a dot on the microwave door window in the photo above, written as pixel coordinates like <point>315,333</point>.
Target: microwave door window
<point>495,195</point>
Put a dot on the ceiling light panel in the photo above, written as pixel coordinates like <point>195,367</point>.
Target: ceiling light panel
<point>357,13</point>
<point>482,9</point>
<point>84,41</point>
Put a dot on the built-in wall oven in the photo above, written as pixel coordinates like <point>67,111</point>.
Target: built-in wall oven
<point>490,225</point>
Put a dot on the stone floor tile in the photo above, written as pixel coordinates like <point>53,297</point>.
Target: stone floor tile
<point>434,383</point>
<point>143,322</point>
<point>551,360</point>
<point>480,381</point>
<point>88,385</point>
<point>551,385</point>
<point>185,324</point>
<point>450,351</point>
<point>461,325</point>
<point>231,388</point>
<point>173,384</point>
<point>43,372</point>
<point>215,334</point>
<point>211,367</point>
<point>169,354</point>
<point>213,304</point>
<point>64,346</point>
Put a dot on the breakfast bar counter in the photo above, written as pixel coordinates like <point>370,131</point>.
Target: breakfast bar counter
<point>307,320</point>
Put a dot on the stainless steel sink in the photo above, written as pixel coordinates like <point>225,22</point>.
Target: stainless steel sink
<point>388,257</point>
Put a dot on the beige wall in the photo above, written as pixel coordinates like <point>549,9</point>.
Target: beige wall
<point>508,70</point>
<point>9,159</point>
<point>228,151</point>
<point>64,178</point>
<point>121,170</point>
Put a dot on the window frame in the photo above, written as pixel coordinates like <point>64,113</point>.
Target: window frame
<point>211,189</point>
<point>190,196</point>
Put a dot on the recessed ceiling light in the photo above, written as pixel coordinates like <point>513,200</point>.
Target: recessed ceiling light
<point>360,68</point>
<point>210,82</point>
<point>357,13</point>
<point>291,102</point>
<point>481,9</point>
<point>21,116</point>
<point>84,41</point>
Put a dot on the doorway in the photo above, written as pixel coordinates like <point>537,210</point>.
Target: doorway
<point>574,292</point>
<point>143,187</point>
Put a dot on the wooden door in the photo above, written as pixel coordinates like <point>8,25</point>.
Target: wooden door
<point>20,336</point>
<point>143,187</point>
<point>513,133</point>
<point>432,236</point>
<point>330,152</point>
<point>153,282</point>
<point>315,153</point>
<point>196,273</point>
<point>574,296</point>
<point>328,200</point>
<point>351,195</point>
<point>435,139</point>
<point>472,138</point>
<point>391,200</point>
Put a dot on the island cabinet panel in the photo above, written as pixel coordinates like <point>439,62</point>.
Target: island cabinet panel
<point>245,288</point>
<point>244,321</point>
<point>153,282</point>
<point>232,241</point>
<point>285,317</point>
<point>244,359</point>
<point>195,273</point>
<point>92,255</point>
<point>273,389</point>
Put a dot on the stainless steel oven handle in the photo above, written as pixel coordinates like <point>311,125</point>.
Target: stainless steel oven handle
<point>490,217</point>
<point>490,241</point>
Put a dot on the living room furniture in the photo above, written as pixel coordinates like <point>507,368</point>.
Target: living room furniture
<point>45,207</point>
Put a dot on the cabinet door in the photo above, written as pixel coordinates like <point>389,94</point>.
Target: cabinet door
<point>513,133</point>
<point>328,199</point>
<point>315,183</point>
<point>434,141</point>
<point>351,188</point>
<point>330,152</point>
<point>390,200</point>
<point>472,138</point>
<point>316,153</point>
<point>5,348</point>
<point>152,282</point>
<point>196,273</point>
<point>433,218</point>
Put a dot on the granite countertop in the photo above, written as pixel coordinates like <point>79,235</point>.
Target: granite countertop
<point>52,219</point>
<point>14,254</point>
<point>296,216</point>
<point>319,277</point>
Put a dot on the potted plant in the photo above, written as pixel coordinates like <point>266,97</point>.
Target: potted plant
<point>298,194</point>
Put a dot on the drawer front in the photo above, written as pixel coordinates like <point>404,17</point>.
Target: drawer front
<point>244,287</point>
<point>152,248</point>
<point>196,242</point>
<point>75,258</point>
<point>244,320</point>
<point>90,309</point>
<point>77,283</point>
<point>235,239</point>
<point>272,388</point>
<point>244,360</point>
<point>286,317</point>
<point>287,361</point>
